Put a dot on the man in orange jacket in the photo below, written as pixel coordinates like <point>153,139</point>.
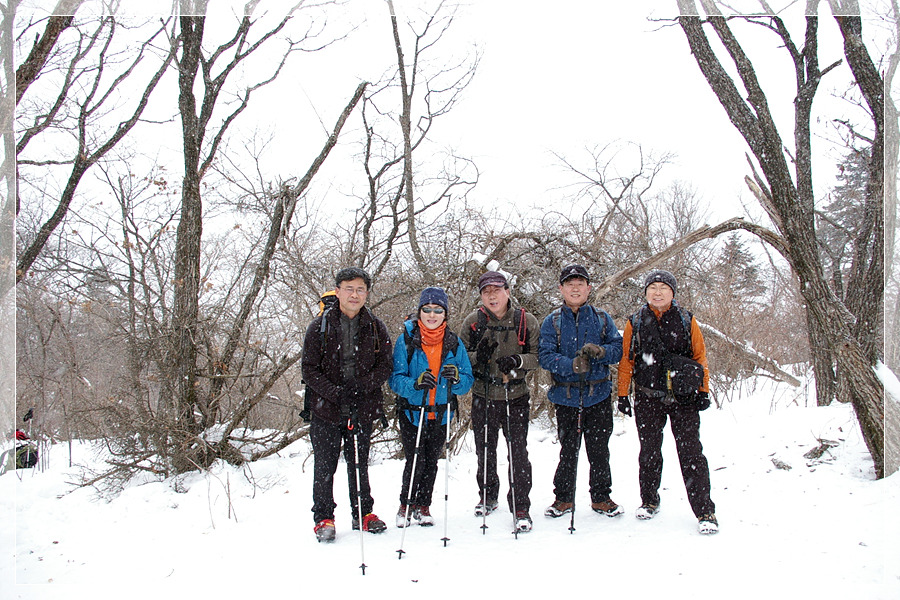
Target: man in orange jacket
<point>657,337</point>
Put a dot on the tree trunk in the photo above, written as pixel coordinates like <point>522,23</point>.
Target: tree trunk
<point>793,205</point>
<point>822,362</point>
<point>406,89</point>
<point>187,241</point>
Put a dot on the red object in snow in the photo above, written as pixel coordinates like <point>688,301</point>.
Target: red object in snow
<point>21,435</point>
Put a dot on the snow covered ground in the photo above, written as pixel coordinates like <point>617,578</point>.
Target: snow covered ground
<point>820,529</point>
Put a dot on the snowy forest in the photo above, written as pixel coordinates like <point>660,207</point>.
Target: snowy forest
<point>174,205</point>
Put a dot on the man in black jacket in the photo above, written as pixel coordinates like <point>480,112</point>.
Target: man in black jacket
<point>346,358</point>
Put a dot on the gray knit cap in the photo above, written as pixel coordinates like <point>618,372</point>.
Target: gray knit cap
<point>663,277</point>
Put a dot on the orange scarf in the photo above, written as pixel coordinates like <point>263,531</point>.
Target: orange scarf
<point>432,345</point>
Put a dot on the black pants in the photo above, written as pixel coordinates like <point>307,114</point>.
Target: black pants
<point>431,444</point>
<point>596,428</point>
<point>651,414</point>
<point>326,443</point>
<point>516,435</point>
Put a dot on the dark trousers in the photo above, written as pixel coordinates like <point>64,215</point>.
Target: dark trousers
<point>431,444</point>
<point>596,429</point>
<point>327,439</point>
<point>651,414</point>
<point>516,435</point>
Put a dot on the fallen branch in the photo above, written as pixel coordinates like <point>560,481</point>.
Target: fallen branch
<point>752,356</point>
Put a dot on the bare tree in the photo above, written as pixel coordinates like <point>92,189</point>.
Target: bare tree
<point>196,407</point>
<point>438,93</point>
<point>787,194</point>
<point>84,96</point>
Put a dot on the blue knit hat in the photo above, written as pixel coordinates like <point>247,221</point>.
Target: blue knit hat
<point>434,295</point>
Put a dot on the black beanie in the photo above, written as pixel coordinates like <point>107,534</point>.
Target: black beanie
<point>663,277</point>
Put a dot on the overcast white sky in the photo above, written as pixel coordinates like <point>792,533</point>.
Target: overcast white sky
<point>564,76</point>
<point>554,77</point>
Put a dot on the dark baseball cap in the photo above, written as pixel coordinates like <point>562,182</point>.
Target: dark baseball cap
<point>573,271</point>
<point>492,278</point>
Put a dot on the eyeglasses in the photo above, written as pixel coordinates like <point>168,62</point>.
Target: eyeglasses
<point>437,310</point>
<point>350,290</point>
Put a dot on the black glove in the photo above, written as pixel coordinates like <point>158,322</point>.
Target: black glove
<point>351,393</point>
<point>592,351</point>
<point>702,400</point>
<point>624,406</point>
<point>484,350</point>
<point>450,373</point>
<point>508,363</point>
<point>425,381</point>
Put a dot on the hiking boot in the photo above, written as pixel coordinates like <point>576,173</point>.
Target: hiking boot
<point>608,508</point>
<point>324,530</point>
<point>371,523</point>
<point>559,508</point>
<point>423,516</point>
<point>707,524</point>
<point>402,520</point>
<point>523,521</point>
<point>483,509</point>
<point>646,511</point>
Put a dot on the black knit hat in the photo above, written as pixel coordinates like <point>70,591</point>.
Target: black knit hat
<point>662,277</point>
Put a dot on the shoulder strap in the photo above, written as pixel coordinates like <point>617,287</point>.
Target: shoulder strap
<point>635,333</point>
<point>476,331</point>
<point>554,318</point>
<point>601,316</point>
<point>450,344</point>
<point>323,326</point>
<point>409,338</point>
<point>521,324</point>
<point>686,317</point>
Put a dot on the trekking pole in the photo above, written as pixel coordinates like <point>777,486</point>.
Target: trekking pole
<point>512,478</point>
<point>577,450</point>
<point>353,428</point>
<point>412,476</point>
<point>446,539</point>
<point>484,453</point>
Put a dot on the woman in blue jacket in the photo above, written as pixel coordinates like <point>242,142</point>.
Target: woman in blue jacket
<point>430,364</point>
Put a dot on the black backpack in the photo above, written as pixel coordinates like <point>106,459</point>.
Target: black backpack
<point>26,456</point>
<point>685,316</point>
<point>685,374</point>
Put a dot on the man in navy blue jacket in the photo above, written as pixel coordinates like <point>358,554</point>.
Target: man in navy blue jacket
<point>578,343</point>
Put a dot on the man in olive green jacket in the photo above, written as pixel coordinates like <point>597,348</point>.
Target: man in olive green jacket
<point>502,340</point>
